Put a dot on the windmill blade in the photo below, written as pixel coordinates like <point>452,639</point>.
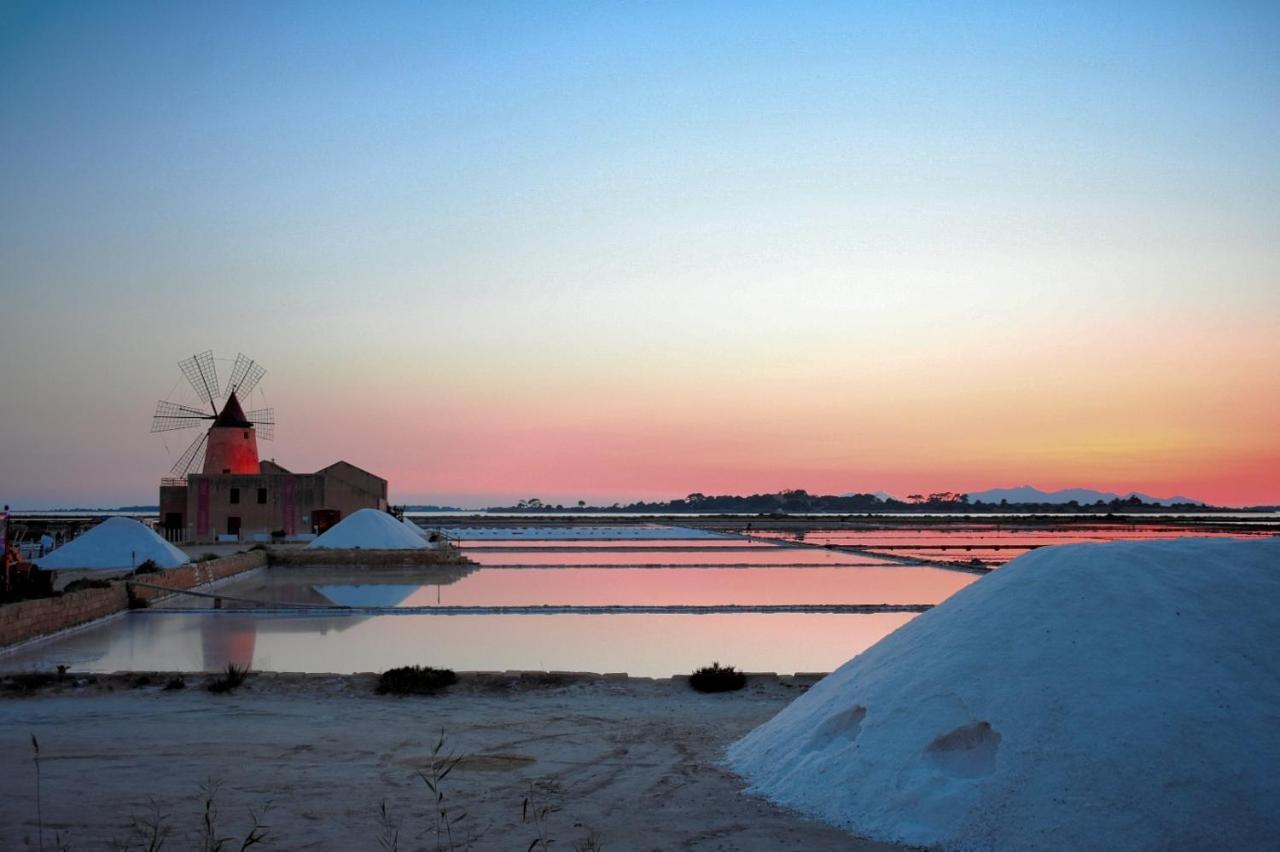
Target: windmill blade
<point>264,422</point>
<point>202,374</point>
<point>174,415</point>
<point>193,457</point>
<point>244,376</point>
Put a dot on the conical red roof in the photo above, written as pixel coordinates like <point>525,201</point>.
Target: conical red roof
<point>232,414</point>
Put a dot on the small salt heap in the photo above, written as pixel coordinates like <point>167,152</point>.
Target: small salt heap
<point>368,529</point>
<point>116,544</point>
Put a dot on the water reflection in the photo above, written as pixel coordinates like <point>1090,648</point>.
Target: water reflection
<point>497,587</point>
<point>569,545</point>
<point>792,556</point>
<point>233,643</point>
<point>647,645</point>
<point>971,536</point>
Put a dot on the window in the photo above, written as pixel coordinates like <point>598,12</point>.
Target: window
<point>235,495</point>
<point>262,495</point>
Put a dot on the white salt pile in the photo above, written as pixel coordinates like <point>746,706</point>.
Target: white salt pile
<point>1096,696</point>
<point>417,530</point>
<point>116,544</point>
<point>368,529</point>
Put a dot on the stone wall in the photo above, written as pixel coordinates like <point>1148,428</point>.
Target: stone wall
<point>40,617</point>
<point>27,619</point>
<point>197,574</point>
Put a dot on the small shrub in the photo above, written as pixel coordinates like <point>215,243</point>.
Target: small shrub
<point>147,567</point>
<point>174,683</point>
<point>415,680</point>
<point>258,546</point>
<point>233,677</point>
<point>438,770</point>
<point>141,681</point>
<point>717,678</point>
<point>206,557</point>
<point>211,838</point>
<point>590,843</point>
<point>28,681</point>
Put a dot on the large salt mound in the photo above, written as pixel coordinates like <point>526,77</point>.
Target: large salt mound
<point>116,544</point>
<point>368,529</point>
<point>1095,696</point>
<point>413,528</point>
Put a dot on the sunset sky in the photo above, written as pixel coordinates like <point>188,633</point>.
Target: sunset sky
<point>615,251</point>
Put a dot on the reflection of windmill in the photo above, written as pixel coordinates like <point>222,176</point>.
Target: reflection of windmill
<point>229,445</point>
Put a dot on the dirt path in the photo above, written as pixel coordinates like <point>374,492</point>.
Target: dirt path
<point>631,764</point>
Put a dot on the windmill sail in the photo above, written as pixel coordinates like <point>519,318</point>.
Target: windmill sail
<point>192,457</point>
<point>202,374</point>
<point>174,415</point>
<point>264,422</point>
<point>244,376</point>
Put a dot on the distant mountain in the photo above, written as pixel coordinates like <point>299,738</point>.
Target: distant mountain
<point>881,495</point>
<point>1165,501</point>
<point>1084,496</point>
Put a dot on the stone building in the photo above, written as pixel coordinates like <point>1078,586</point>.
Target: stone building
<point>238,497</point>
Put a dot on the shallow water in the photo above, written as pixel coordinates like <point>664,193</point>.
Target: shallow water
<point>600,587</point>
<point>990,535</point>
<point>570,545</point>
<point>551,532</point>
<point>701,556</point>
<point>568,615</point>
<point>643,645</point>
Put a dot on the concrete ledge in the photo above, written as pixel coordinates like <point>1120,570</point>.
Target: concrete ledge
<point>359,556</point>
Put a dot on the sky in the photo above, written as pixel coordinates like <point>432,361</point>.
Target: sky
<point>611,251</point>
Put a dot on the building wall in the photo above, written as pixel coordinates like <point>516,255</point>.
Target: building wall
<point>348,488</point>
<point>231,449</point>
<point>288,500</point>
<point>173,507</point>
<point>263,503</point>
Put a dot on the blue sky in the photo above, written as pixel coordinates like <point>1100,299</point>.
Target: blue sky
<point>453,204</point>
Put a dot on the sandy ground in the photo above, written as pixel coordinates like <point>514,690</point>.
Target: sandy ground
<point>626,764</point>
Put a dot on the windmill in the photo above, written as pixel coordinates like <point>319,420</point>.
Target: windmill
<point>229,444</point>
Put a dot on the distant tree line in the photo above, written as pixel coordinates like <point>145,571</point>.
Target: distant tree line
<point>799,501</point>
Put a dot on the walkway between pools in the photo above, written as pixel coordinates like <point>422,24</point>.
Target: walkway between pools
<point>875,552</point>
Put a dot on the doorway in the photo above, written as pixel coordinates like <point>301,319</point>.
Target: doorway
<point>322,519</point>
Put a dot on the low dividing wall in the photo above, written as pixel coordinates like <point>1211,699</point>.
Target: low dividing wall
<point>333,558</point>
<point>40,617</point>
<point>199,573</point>
<point>28,619</point>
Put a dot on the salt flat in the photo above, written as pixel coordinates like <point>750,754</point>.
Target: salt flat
<point>634,762</point>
